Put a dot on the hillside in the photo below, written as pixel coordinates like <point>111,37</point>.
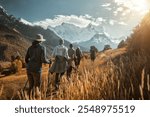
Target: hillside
<point>13,31</point>
<point>11,41</point>
<point>135,64</point>
<point>17,81</point>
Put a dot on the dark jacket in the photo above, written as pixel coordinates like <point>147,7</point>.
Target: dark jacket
<point>36,55</point>
<point>78,53</point>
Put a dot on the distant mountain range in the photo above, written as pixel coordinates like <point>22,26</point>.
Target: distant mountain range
<point>85,36</point>
<point>99,40</point>
<point>18,36</point>
<point>73,33</point>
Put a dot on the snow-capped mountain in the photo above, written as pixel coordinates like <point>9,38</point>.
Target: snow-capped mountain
<point>99,40</point>
<point>73,33</point>
<point>25,21</point>
<point>85,36</point>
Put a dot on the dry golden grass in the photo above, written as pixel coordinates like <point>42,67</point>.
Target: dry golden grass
<point>1,89</point>
<point>114,75</point>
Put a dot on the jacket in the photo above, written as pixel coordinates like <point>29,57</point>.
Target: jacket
<point>36,55</point>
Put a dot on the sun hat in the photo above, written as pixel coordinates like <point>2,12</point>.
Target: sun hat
<point>40,38</point>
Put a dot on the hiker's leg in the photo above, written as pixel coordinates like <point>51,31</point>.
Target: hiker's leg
<point>57,81</point>
<point>61,75</point>
<point>31,81</point>
<point>79,60</point>
<point>78,63</point>
<point>37,80</point>
<point>68,72</point>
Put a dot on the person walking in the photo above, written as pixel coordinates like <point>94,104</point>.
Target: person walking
<point>93,51</point>
<point>60,53</point>
<point>71,64</point>
<point>78,56</point>
<point>35,56</point>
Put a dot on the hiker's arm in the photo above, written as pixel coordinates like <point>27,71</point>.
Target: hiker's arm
<point>44,59</point>
<point>66,54</point>
<point>27,56</point>
<point>54,52</point>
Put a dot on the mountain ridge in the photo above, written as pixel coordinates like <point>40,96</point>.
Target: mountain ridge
<point>15,29</point>
<point>99,40</point>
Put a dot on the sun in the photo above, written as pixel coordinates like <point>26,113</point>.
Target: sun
<point>140,6</point>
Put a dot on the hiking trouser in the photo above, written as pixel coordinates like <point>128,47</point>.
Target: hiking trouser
<point>57,80</point>
<point>34,80</point>
<point>77,62</point>
<point>69,70</point>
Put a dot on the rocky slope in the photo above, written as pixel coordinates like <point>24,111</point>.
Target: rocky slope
<point>17,36</point>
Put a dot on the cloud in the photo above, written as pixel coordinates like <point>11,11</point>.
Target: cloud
<point>100,20</point>
<point>119,9</point>
<point>80,21</point>
<point>122,23</point>
<point>108,8</point>
<point>138,6</point>
<point>112,22</point>
<point>106,5</point>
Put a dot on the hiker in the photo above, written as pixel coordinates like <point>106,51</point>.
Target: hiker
<point>93,53</point>
<point>59,66</point>
<point>78,56</point>
<point>71,64</point>
<point>36,55</point>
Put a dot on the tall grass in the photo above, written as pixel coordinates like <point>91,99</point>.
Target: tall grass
<point>120,78</point>
<point>1,90</point>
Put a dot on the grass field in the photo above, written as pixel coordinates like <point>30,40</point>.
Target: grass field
<point>113,75</point>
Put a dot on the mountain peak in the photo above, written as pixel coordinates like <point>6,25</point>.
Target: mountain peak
<point>101,37</point>
<point>2,8</point>
<point>90,26</point>
<point>24,21</point>
<point>3,11</point>
<point>66,24</point>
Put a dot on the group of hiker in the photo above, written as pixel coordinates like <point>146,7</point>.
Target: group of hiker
<point>64,61</point>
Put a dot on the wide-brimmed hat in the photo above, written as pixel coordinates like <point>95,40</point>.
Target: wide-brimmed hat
<point>40,38</point>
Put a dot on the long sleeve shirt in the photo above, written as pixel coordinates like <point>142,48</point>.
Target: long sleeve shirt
<point>36,55</point>
<point>60,50</point>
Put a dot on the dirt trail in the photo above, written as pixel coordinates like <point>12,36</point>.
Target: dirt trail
<point>15,82</point>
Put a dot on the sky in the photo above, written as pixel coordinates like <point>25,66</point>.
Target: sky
<point>118,17</point>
